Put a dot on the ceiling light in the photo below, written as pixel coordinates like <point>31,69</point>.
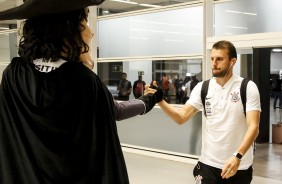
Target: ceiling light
<point>149,5</point>
<point>173,40</point>
<point>237,27</point>
<point>245,13</point>
<point>139,38</point>
<point>276,50</point>
<point>8,31</point>
<point>122,1</point>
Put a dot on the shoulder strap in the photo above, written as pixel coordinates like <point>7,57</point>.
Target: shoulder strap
<point>243,93</point>
<point>204,92</point>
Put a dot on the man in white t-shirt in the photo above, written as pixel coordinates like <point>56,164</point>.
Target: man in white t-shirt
<point>187,89</point>
<point>228,134</point>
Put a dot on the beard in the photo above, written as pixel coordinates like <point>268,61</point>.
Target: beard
<point>216,72</point>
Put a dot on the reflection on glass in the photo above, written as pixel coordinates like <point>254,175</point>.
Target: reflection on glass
<point>4,48</point>
<point>172,75</point>
<point>121,6</point>
<point>8,49</point>
<point>8,46</point>
<point>247,16</point>
<point>173,32</point>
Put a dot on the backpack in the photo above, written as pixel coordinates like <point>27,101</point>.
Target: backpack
<point>139,88</point>
<point>274,84</point>
<point>243,93</point>
<point>193,84</point>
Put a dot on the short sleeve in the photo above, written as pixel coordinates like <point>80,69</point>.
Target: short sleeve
<point>195,97</point>
<point>253,97</point>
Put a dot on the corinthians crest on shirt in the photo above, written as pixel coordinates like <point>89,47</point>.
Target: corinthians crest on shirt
<point>235,97</point>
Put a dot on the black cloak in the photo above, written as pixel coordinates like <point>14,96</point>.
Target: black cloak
<point>57,127</point>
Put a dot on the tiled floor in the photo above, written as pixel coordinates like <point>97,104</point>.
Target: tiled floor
<point>150,170</point>
<point>268,161</point>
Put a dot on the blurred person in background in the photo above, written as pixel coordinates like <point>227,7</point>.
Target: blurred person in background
<point>124,88</point>
<point>138,87</point>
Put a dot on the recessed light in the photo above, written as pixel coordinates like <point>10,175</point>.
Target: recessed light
<point>276,50</point>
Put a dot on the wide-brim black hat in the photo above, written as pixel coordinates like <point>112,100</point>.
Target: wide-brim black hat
<point>35,8</point>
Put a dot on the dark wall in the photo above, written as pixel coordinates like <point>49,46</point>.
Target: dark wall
<point>261,76</point>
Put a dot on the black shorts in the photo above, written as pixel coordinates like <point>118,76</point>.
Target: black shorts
<point>205,174</point>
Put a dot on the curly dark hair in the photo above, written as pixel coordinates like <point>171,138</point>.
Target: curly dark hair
<point>53,37</point>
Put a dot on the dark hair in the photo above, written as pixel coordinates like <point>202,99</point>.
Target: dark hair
<point>54,36</point>
<point>223,44</point>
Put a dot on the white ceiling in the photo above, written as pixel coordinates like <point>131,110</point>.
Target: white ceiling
<point>107,5</point>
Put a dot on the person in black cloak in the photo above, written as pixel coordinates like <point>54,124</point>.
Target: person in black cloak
<point>57,119</point>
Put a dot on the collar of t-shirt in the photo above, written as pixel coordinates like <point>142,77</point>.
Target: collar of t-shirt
<point>45,66</point>
<point>227,84</point>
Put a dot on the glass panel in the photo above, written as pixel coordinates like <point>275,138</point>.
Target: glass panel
<point>176,72</point>
<point>156,130</point>
<point>121,6</point>
<point>184,140</point>
<point>276,64</point>
<point>172,32</point>
<point>244,64</point>
<point>8,49</point>
<point>275,94</point>
<point>247,16</point>
<point>4,48</point>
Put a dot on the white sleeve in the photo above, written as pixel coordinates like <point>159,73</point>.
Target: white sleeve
<point>195,97</point>
<point>253,97</point>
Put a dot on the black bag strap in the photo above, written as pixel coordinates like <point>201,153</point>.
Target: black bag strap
<point>204,92</point>
<point>243,93</point>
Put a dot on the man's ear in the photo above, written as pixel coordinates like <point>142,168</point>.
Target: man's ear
<point>233,61</point>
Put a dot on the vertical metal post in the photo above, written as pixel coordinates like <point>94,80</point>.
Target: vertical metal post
<point>94,41</point>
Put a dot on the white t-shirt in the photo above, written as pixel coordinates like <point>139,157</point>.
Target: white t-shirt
<point>187,88</point>
<point>225,125</point>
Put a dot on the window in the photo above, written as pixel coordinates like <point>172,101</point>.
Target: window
<point>177,71</point>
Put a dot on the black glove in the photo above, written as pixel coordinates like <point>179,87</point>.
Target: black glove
<point>149,100</point>
<point>159,93</point>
